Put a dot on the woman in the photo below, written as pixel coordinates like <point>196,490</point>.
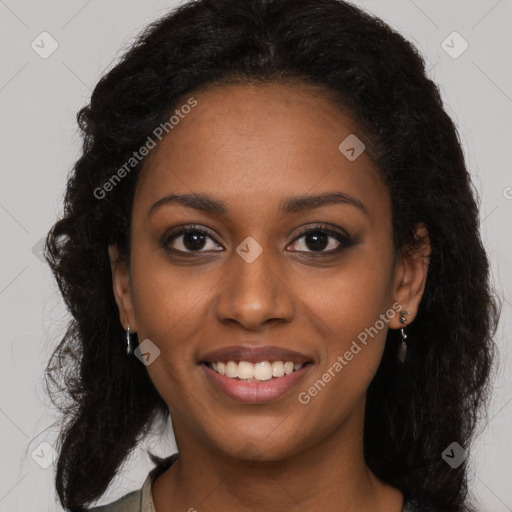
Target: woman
<point>272,235</point>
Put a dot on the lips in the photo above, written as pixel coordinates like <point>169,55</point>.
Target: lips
<point>260,378</point>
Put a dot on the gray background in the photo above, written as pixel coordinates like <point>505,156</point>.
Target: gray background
<point>39,98</point>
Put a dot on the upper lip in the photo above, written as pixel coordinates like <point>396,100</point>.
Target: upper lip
<point>254,354</point>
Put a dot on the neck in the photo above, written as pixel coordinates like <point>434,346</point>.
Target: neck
<point>329,475</point>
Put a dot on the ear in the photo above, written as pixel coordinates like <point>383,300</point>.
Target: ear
<point>122,289</point>
<point>410,276</point>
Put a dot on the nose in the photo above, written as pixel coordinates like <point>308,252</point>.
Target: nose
<point>254,294</point>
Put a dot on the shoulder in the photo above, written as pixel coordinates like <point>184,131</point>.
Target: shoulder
<point>140,500</point>
<point>130,502</point>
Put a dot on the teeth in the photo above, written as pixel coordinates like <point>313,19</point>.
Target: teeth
<point>262,371</point>
<point>232,369</point>
<point>245,370</point>
<point>277,369</point>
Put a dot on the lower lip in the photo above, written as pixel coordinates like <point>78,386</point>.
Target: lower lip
<point>255,392</point>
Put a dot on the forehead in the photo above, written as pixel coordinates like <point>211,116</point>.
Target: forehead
<point>249,144</point>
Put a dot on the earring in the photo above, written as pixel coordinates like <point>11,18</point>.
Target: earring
<point>128,341</point>
<point>402,352</point>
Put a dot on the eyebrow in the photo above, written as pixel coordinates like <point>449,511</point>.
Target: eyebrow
<point>212,205</point>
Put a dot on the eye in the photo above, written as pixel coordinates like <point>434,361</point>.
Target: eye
<point>190,239</point>
<point>317,239</point>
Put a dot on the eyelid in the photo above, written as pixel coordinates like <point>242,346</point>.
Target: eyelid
<point>325,229</point>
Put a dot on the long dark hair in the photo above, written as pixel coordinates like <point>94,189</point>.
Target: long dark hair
<point>414,412</point>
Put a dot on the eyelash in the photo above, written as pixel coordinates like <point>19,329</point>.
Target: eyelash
<point>344,239</point>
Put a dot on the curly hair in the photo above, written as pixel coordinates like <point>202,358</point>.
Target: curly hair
<point>413,412</point>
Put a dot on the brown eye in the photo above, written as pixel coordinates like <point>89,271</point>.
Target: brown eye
<point>190,239</point>
<point>319,239</point>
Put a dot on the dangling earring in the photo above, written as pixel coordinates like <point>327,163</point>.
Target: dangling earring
<point>128,341</point>
<point>402,352</point>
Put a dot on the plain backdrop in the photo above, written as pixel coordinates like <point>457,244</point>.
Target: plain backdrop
<point>39,97</point>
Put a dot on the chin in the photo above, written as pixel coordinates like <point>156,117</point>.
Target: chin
<point>263,449</point>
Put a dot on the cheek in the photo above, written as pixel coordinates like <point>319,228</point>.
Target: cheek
<point>349,297</point>
<point>170,305</point>
<point>352,309</point>
<point>349,362</point>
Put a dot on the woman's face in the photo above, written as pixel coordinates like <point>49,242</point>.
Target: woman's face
<point>249,280</point>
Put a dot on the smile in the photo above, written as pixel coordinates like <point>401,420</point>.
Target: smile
<point>257,385</point>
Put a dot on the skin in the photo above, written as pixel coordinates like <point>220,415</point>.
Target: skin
<point>253,147</point>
